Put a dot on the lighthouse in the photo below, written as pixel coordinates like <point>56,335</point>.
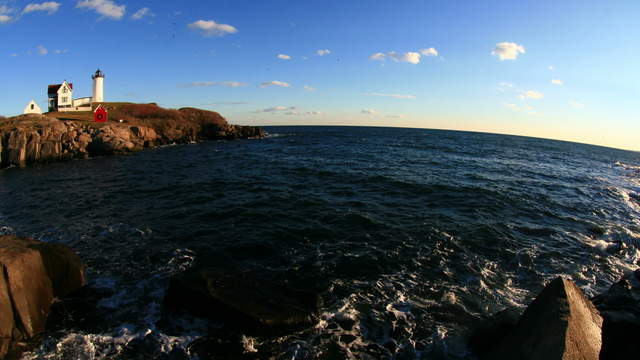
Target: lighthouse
<point>98,86</point>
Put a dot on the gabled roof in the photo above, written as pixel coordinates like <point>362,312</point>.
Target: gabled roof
<point>53,89</point>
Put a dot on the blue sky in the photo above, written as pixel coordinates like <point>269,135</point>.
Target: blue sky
<point>554,69</point>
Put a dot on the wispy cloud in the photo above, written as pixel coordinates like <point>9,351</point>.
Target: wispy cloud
<point>368,112</point>
<point>513,107</point>
<point>429,52</point>
<point>395,96</point>
<point>4,18</point>
<point>576,104</point>
<point>508,50</point>
<point>229,103</point>
<point>323,52</point>
<point>145,11</point>
<point>276,109</point>
<point>275,83</point>
<point>309,88</point>
<point>550,67</point>
<point>61,51</point>
<point>399,116</point>
<point>210,28</point>
<point>284,57</point>
<point>304,113</point>
<point>106,8</point>
<point>232,84</point>
<point>532,94</point>
<point>42,50</point>
<point>377,56</point>
<point>50,7</point>
<point>557,82</point>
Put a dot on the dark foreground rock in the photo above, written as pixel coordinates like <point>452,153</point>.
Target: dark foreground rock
<point>33,273</point>
<point>620,309</point>
<point>561,323</point>
<point>247,302</point>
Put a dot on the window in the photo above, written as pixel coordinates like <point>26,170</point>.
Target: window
<point>63,99</point>
<point>64,90</point>
<point>32,107</point>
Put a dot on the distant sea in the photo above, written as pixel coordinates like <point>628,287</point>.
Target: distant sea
<point>417,233</point>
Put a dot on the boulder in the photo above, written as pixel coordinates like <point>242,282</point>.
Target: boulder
<point>620,309</point>
<point>561,323</point>
<point>32,274</point>
<point>248,302</point>
<point>495,327</point>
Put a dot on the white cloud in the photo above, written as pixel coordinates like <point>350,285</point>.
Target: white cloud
<point>429,52</point>
<point>275,83</point>
<point>505,84</point>
<point>233,84</point>
<point>396,96</point>
<point>106,8</point>
<point>532,94</point>
<point>49,6</point>
<point>323,52</point>
<point>284,57</point>
<point>42,50</point>
<point>508,50</point>
<point>13,55</point>
<point>369,112</point>
<point>400,116</point>
<point>410,57</point>
<point>61,51</point>
<point>377,56</point>
<point>5,14</point>
<point>211,28</point>
<point>576,104</point>
<point>513,107</point>
<point>309,88</point>
<point>550,67</point>
<point>142,13</point>
<point>557,82</point>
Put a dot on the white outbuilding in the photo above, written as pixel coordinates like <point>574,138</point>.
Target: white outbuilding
<point>32,108</point>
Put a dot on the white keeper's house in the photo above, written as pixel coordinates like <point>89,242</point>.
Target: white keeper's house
<point>61,95</point>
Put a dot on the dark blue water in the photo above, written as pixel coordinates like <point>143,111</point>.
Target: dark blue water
<point>415,233</point>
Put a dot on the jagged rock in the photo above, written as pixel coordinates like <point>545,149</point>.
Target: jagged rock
<point>620,309</point>
<point>561,323</point>
<point>246,301</point>
<point>497,326</point>
<point>44,139</point>
<point>32,274</point>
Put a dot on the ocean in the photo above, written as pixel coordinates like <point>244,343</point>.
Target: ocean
<point>415,234</point>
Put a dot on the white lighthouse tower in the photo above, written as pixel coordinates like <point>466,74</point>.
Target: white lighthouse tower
<point>98,86</point>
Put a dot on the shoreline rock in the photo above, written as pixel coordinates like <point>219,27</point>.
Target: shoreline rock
<point>29,139</point>
<point>33,274</point>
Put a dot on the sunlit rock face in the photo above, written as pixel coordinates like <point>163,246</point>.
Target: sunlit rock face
<point>33,273</point>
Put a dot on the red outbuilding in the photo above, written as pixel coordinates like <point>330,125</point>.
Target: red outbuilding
<point>100,114</point>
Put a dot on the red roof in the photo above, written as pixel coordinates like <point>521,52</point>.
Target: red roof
<point>53,89</point>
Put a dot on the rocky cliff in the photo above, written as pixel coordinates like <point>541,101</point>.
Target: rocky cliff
<point>28,139</point>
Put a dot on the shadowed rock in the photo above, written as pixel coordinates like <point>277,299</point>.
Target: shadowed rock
<point>561,323</point>
<point>32,274</point>
<point>248,302</point>
<point>620,309</point>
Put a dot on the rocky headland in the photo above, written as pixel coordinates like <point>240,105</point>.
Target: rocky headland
<point>28,139</point>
